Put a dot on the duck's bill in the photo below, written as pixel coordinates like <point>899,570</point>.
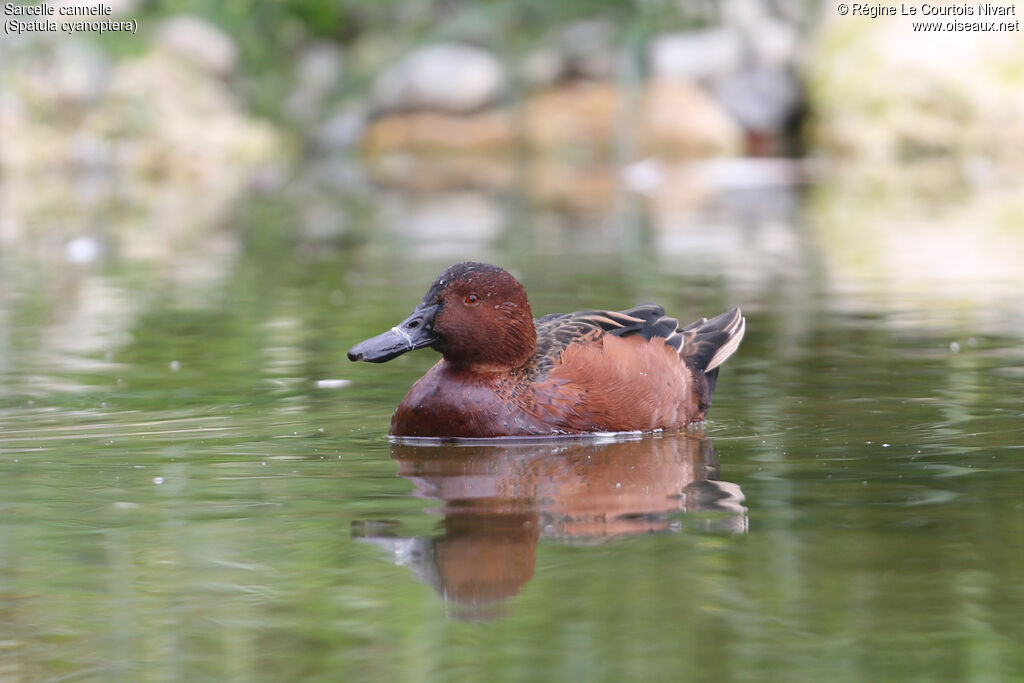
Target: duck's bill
<point>415,332</point>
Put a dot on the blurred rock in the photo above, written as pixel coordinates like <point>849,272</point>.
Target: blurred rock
<point>774,43</point>
<point>39,72</point>
<point>698,56</point>
<point>13,126</point>
<point>317,74</point>
<point>590,49</point>
<point>745,15</point>
<point>341,131</point>
<point>748,62</point>
<point>199,43</point>
<point>582,50</point>
<point>763,99</point>
<point>146,154</point>
<point>543,67</point>
<point>166,119</point>
<point>880,98</point>
<point>793,12</point>
<point>956,95</point>
<point>80,73</point>
<point>320,67</point>
<point>671,118</point>
<point>432,132</point>
<point>680,119</point>
<point>574,114</point>
<point>445,77</point>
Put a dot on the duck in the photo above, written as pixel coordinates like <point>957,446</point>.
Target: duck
<point>503,373</point>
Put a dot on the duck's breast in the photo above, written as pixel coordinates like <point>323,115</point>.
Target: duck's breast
<point>448,402</point>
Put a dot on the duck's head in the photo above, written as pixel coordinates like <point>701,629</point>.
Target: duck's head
<point>475,314</point>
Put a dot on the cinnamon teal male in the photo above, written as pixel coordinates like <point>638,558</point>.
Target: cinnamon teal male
<point>505,374</point>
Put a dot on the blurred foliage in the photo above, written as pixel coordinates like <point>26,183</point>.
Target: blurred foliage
<point>271,35</point>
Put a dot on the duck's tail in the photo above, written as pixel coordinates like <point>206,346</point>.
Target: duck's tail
<point>706,344</point>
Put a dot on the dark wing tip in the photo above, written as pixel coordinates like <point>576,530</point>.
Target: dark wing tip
<point>706,344</point>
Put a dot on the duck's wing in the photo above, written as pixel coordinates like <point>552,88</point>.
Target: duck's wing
<point>703,345</point>
<point>597,382</point>
<point>558,330</point>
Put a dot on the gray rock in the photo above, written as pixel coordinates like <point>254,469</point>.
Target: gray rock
<point>78,73</point>
<point>200,43</point>
<point>316,75</point>
<point>444,77</point>
<point>792,11</point>
<point>58,68</point>
<point>774,43</point>
<point>744,15</point>
<point>543,67</point>
<point>699,56</point>
<point>341,131</point>
<point>590,49</point>
<point>760,99</point>
<point>319,67</point>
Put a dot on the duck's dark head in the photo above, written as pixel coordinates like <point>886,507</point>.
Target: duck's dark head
<point>475,314</point>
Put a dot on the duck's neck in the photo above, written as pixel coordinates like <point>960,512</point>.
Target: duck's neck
<point>506,347</point>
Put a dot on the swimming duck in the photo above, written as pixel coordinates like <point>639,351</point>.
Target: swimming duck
<point>505,374</point>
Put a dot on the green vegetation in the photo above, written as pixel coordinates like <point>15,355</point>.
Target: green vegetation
<point>271,35</point>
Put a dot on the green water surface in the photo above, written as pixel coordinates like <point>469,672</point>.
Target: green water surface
<point>181,500</point>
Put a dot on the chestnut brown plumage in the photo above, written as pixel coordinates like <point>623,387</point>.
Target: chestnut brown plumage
<point>505,374</point>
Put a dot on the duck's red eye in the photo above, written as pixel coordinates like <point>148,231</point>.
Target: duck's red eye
<point>472,299</point>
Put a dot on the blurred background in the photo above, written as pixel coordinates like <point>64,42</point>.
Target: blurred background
<point>197,220</point>
<point>740,138</point>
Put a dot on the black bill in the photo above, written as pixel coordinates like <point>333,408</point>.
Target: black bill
<point>415,332</point>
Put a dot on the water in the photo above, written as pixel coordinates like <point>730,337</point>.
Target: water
<point>185,495</point>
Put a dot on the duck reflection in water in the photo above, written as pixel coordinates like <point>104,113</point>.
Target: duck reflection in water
<point>498,499</point>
